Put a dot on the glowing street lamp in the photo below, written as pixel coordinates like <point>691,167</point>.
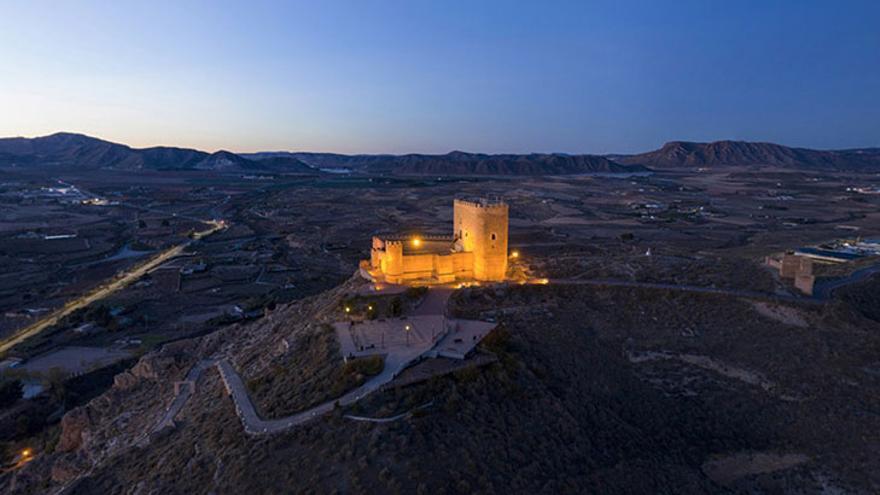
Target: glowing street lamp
<point>348,309</point>
<point>514,254</point>
<point>416,242</point>
<point>407,329</point>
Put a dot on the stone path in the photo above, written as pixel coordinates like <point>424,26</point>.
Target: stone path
<point>433,304</point>
<point>183,395</point>
<point>254,425</point>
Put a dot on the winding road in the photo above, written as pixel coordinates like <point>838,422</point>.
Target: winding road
<point>821,293</point>
<point>750,294</point>
<point>114,284</point>
<point>824,290</point>
<point>255,425</point>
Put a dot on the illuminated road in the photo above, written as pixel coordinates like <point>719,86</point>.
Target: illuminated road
<point>116,283</point>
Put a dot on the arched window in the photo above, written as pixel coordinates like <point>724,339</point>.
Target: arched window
<point>493,236</point>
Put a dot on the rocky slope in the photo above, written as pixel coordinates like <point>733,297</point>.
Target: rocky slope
<point>680,154</point>
<point>583,399</point>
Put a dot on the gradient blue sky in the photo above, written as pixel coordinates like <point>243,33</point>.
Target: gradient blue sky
<point>418,76</point>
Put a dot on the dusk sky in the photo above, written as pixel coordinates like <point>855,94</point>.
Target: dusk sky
<point>418,76</point>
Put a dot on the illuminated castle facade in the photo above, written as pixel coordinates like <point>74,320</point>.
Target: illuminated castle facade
<point>476,251</point>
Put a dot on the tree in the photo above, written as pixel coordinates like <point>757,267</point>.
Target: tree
<point>10,392</point>
<point>56,378</point>
<point>396,307</point>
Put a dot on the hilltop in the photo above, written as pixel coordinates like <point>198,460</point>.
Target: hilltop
<point>602,400</point>
<point>682,154</point>
<point>69,150</point>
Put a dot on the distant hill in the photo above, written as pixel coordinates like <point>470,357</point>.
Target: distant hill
<point>462,163</point>
<point>681,154</point>
<point>84,152</point>
<point>67,150</point>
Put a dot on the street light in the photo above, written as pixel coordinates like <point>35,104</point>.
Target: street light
<point>416,242</point>
<point>406,329</point>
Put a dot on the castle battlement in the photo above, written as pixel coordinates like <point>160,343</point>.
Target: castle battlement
<point>487,203</point>
<point>409,237</point>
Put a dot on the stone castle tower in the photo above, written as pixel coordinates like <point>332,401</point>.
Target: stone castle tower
<point>481,228</point>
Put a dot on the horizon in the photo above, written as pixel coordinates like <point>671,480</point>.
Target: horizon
<point>307,151</point>
<point>401,77</point>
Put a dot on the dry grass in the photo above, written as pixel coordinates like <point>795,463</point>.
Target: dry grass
<point>310,375</point>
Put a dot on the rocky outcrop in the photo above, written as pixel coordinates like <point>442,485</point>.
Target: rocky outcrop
<point>68,467</point>
<point>74,429</point>
<point>125,381</point>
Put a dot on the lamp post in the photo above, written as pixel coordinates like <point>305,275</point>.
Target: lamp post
<point>406,330</point>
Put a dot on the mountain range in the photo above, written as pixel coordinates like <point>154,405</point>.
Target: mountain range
<point>79,151</point>
<point>463,163</point>
<point>84,152</point>
<point>681,154</point>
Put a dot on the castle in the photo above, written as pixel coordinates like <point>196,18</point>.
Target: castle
<point>476,251</point>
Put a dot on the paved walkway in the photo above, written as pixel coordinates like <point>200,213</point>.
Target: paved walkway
<point>183,394</point>
<point>435,302</point>
<point>434,305</point>
<point>255,425</point>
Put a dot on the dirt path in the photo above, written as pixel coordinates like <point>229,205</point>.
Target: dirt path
<point>750,294</point>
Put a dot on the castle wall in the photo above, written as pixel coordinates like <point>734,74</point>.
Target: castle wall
<point>794,265</point>
<point>790,265</point>
<point>482,229</point>
<point>442,268</point>
<point>805,283</point>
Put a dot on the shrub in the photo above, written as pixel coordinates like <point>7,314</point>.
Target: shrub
<point>10,392</point>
